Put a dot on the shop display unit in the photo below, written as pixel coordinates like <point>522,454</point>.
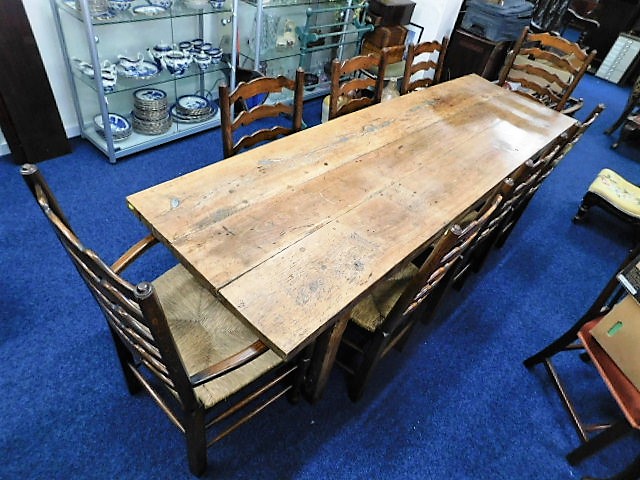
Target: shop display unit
<point>278,36</point>
<point>145,73</point>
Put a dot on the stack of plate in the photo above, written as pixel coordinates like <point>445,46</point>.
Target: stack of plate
<point>192,109</point>
<point>150,111</point>
<point>120,126</point>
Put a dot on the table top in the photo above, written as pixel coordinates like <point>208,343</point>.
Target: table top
<point>292,233</point>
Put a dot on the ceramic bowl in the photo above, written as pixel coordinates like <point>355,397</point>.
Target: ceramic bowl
<point>161,3</point>
<point>119,5</point>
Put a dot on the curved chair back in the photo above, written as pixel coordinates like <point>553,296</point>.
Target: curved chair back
<point>547,68</point>
<point>232,121</point>
<point>418,70</point>
<point>351,89</point>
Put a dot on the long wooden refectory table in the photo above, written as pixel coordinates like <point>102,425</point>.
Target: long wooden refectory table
<point>290,235</point>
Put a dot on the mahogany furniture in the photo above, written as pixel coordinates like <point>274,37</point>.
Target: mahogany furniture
<point>625,395</point>
<point>547,68</point>
<point>205,369</point>
<point>232,121</point>
<point>351,89</point>
<point>292,234</point>
<point>469,53</point>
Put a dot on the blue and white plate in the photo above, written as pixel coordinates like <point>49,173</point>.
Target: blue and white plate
<point>192,102</point>
<point>149,94</point>
<point>120,126</point>
<point>143,71</point>
<point>149,10</point>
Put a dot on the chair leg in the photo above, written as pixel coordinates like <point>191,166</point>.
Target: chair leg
<point>126,359</point>
<point>600,441</point>
<point>632,472</point>
<point>196,442</point>
<point>557,346</point>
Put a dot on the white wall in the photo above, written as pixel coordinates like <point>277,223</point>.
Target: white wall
<point>436,16</point>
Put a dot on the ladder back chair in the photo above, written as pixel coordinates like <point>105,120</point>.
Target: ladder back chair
<point>548,163</point>
<point>207,371</point>
<point>547,68</point>
<point>536,171</point>
<point>384,318</point>
<point>417,69</point>
<point>232,121</point>
<point>473,258</point>
<point>579,338</point>
<point>353,90</point>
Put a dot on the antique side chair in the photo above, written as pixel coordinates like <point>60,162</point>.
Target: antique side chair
<point>550,161</point>
<point>384,318</point>
<point>417,69</point>
<point>351,89</point>
<point>547,68</point>
<point>231,120</point>
<point>205,369</point>
<point>625,395</point>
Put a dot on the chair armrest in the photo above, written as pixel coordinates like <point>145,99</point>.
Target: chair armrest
<point>133,253</point>
<point>227,365</point>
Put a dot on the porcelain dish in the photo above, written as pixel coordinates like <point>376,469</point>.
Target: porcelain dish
<point>143,71</point>
<point>120,126</point>
<point>149,10</point>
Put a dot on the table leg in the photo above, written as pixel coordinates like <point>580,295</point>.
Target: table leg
<point>324,355</point>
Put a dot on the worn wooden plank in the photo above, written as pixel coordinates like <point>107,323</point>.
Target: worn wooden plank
<point>291,234</point>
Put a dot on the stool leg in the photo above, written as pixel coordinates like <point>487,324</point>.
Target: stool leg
<point>598,442</point>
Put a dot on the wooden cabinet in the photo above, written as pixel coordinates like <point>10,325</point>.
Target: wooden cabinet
<point>469,53</point>
<point>615,16</point>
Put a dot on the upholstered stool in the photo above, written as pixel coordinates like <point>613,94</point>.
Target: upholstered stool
<point>613,193</point>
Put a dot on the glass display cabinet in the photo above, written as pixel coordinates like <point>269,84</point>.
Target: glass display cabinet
<point>145,73</point>
<point>278,36</point>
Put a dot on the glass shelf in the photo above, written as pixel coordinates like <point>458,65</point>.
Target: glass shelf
<point>176,10</point>
<point>290,3</point>
<point>124,84</point>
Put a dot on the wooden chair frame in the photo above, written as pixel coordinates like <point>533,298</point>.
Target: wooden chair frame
<point>562,54</point>
<point>146,348</point>
<point>423,291</point>
<point>551,160</point>
<point>232,121</point>
<point>412,68</point>
<point>357,82</point>
<point>578,337</point>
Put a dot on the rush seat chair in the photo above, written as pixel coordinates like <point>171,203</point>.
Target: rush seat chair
<point>206,371</point>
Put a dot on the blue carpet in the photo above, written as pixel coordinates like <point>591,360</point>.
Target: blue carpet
<point>458,404</point>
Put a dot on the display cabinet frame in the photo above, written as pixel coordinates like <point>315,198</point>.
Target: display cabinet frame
<point>88,92</point>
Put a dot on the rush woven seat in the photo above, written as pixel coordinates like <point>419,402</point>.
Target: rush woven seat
<point>207,371</point>
<point>206,333</point>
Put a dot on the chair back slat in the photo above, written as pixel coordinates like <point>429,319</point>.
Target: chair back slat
<point>232,121</point>
<point>446,253</point>
<point>547,67</point>
<point>351,88</point>
<point>423,67</point>
<point>126,308</point>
